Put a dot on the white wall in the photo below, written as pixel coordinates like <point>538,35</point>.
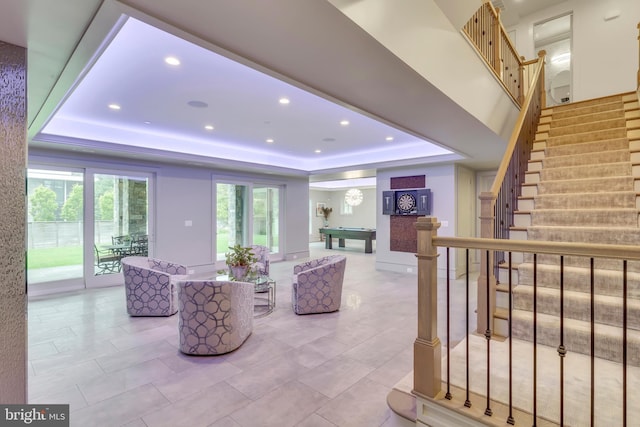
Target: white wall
<point>466,214</point>
<point>441,181</point>
<point>318,196</point>
<point>364,215</point>
<point>604,53</point>
<point>419,33</point>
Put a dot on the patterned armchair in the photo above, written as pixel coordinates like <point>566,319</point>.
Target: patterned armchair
<point>317,285</point>
<point>215,317</point>
<point>262,254</point>
<point>150,285</point>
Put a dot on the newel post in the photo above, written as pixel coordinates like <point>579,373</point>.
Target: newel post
<point>487,231</point>
<point>543,92</point>
<point>427,354</point>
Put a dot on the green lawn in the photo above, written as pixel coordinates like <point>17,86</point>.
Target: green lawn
<point>54,257</point>
<point>72,255</point>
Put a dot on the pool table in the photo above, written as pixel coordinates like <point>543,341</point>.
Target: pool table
<point>341,233</point>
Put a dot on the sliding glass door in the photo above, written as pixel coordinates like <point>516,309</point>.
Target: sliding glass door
<point>120,219</point>
<point>55,227</point>
<point>247,214</point>
<point>80,224</point>
<point>266,217</point>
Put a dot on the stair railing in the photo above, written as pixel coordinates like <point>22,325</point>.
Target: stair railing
<point>486,370</point>
<point>485,31</point>
<point>498,205</point>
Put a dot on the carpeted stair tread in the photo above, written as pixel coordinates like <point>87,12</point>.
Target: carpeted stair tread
<point>573,110</point>
<point>598,135</point>
<point>593,117</point>
<point>592,185</point>
<point>583,262</point>
<point>586,200</point>
<point>603,235</point>
<point>590,158</point>
<point>588,147</point>
<point>585,217</point>
<point>605,281</point>
<point>577,305</point>
<point>590,126</point>
<point>577,336</point>
<point>593,171</point>
<point>603,100</point>
<point>585,194</point>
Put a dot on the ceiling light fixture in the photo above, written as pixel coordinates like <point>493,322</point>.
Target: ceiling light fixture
<point>318,151</point>
<point>208,127</point>
<point>344,122</point>
<point>284,101</point>
<point>114,106</point>
<point>172,60</point>
<point>353,197</point>
<point>389,138</point>
<point>270,140</point>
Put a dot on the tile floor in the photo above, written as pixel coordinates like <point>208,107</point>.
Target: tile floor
<point>317,370</point>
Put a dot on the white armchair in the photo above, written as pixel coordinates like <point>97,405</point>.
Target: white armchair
<point>215,317</point>
<point>150,285</point>
<point>317,285</point>
<point>261,266</point>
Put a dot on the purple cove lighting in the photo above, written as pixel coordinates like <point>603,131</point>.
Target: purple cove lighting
<point>241,103</point>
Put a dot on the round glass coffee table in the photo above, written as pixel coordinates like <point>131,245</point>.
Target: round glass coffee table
<point>265,293</point>
<point>265,296</point>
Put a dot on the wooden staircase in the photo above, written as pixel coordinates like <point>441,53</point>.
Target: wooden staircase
<point>582,185</point>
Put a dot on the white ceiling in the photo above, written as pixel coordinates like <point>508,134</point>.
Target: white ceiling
<point>514,10</point>
<point>167,107</point>
<point>316,54</point>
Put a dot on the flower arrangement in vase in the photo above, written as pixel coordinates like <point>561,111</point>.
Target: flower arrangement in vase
<point>325,213</point>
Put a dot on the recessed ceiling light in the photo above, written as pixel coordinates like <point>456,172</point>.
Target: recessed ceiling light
<point>208,127</point>
<point>318,151</point>
<point>270,140</point>
<point>284,101</point>
<point>172,60</point>
<point>114,106</point>
<point>389,138</point>
<point>147,122</point>
<point>344,122</point>
<point>197,104</point>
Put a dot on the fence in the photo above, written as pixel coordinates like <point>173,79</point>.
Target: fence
<point>55,234</point>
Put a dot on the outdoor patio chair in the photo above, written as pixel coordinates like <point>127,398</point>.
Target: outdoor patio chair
<point>106,262</point>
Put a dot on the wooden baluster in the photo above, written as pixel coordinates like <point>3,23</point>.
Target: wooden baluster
<point>523,87</point>
<point>497,46</point>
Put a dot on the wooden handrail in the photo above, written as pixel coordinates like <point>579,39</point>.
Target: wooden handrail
<point>513,140</point>
<point>630,253</point>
